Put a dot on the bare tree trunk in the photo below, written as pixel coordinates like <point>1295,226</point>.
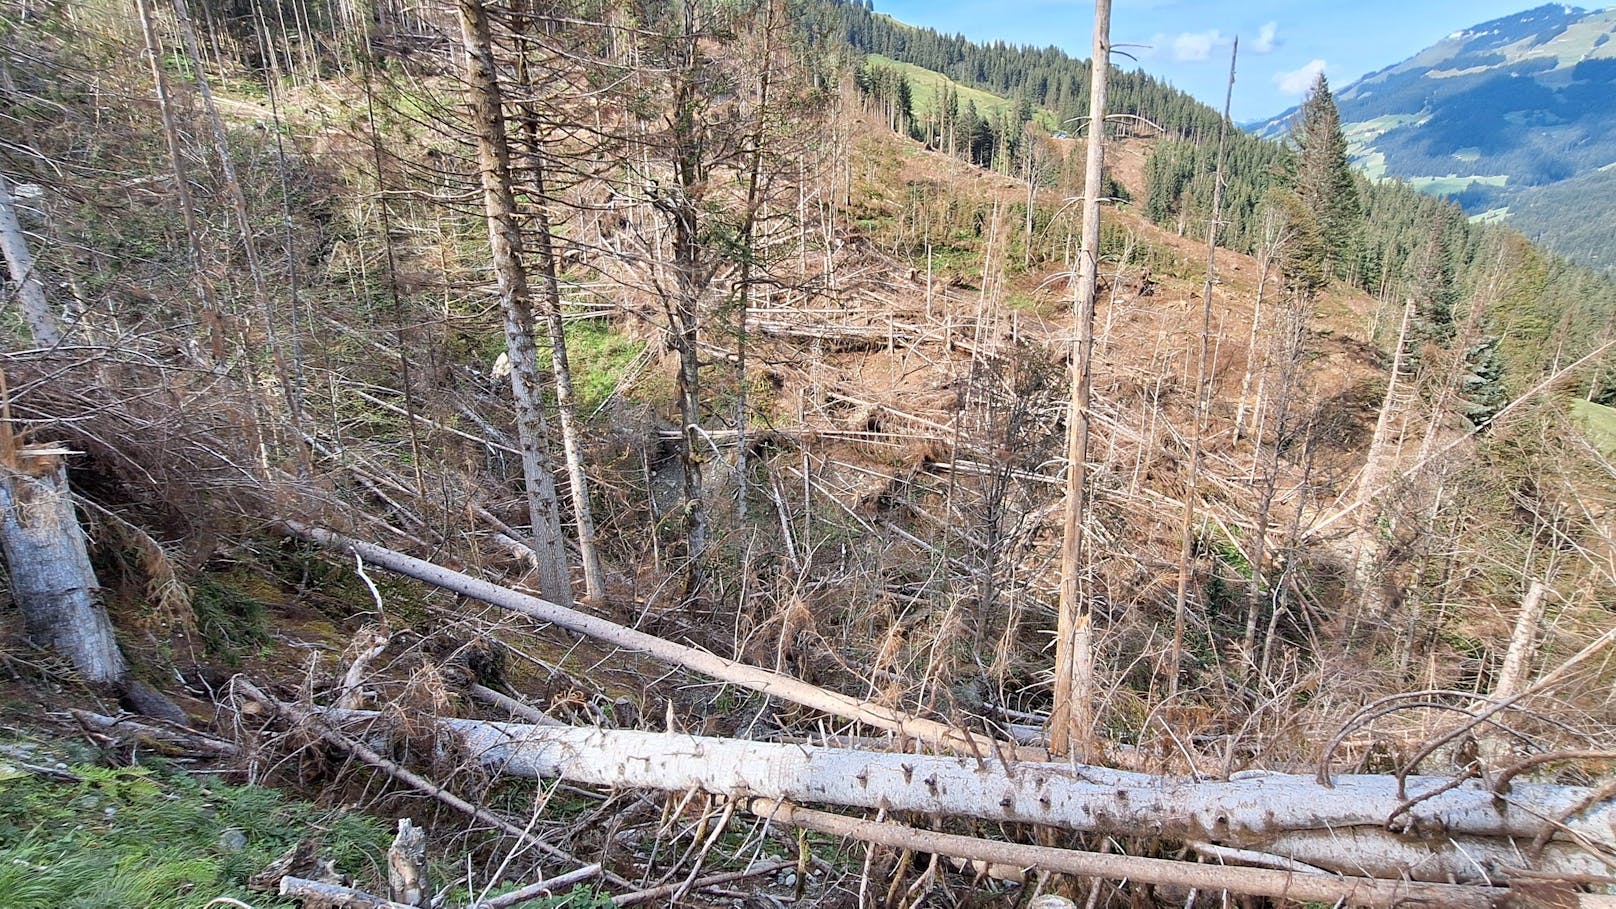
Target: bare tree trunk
<point>691,276</point>
<point>1285,879</point>
<point>52,581</point>
<point>505,245</point>
<point>1377,468</point>
<point>1291,341</point>
<point>182,185</point>
<point>1072,718</point>
<point>1518,659</point>
<point>1338,828</point>
<point>743,284</point>
<point>1203,392</point>
<point>30,290</point>
<point>566,403</point>
<point>1266,251</point>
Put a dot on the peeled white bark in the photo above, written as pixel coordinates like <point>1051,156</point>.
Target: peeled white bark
<point>20,262</point>
<point>52,581</point>
<point>1464,835</point>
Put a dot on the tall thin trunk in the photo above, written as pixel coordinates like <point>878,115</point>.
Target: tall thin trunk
<point>293,376</point>
<point>385,217</point>
<point>1072,719</point>
<point>505,247</point>
<point>566,401</point>
<point>690,280</point>
<point>743,288</point>
<point>182,186</point>
<point>1032,200</point>
<point>1292,343</point>
<point>36,309</point>
<point>1203,390</point>
<point>1265,262</point>
<point>238,199</point>
<point>1377,469</point>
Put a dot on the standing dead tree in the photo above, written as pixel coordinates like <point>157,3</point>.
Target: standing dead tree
<point>30,289</point>
<point>505,244</point>
<point>1072,718</point>
<point>538,174</point>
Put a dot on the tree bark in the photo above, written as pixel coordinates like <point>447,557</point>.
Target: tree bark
<point>1072,719</point>
<point>1464,833</point>
<point>691,279</point>
<point>1373,480</point>
<point>505,245</point>
<point>566,406</point>
<point>36,309</point>
<point>1285,885</point>
<point>1518,659</point>
<point>52,581</point>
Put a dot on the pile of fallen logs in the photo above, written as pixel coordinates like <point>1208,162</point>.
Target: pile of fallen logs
<point>1374,840</point>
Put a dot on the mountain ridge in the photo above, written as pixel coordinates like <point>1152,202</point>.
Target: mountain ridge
<point>1499,116</point>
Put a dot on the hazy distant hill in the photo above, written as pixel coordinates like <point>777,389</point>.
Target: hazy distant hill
<point>1515,117</point>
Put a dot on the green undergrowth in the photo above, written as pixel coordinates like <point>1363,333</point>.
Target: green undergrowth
<point>160,839</point>
<point>600,357</point>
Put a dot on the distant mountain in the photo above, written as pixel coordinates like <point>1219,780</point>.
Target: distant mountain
<point>1514,118</point>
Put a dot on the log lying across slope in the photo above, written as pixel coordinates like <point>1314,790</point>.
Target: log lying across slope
<point>775,684</point>
<point>1465,834</point>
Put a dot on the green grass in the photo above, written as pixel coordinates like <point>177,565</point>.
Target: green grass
<point>159,839</point>
<point>925,84</point>
<point>1599,422</point>
<point>1452,183</point>
<point>600,358</point>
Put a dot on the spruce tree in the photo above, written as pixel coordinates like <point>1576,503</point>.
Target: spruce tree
<point>1323,179</point>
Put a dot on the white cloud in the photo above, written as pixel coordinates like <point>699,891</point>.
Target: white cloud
<point>1267,38</point>
<point>1298,81</point>
<point>1194,47</point>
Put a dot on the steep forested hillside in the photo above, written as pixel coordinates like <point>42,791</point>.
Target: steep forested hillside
<point>402,403</point>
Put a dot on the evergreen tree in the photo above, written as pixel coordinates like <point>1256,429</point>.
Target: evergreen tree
<point>1324,180</point>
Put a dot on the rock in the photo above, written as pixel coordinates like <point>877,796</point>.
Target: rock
<point>232,839</point>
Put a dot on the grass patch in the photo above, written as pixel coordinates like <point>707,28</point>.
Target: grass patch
<point>926,84</point>
<point>159,839</point>
<point>1599,422</point>
<point>600,358</point>
<point>1453,184</point>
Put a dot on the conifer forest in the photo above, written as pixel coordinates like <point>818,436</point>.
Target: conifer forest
<point>760,453</point>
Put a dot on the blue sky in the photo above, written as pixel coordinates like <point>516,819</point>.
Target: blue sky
<point>1282,42</point>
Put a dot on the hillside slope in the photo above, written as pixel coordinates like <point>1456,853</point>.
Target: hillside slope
<point>1509,116</point>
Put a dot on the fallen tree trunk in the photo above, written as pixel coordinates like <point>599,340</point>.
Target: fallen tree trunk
<point>1465,834</point>
<point>770,683</point>
<point>1321,888</point>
